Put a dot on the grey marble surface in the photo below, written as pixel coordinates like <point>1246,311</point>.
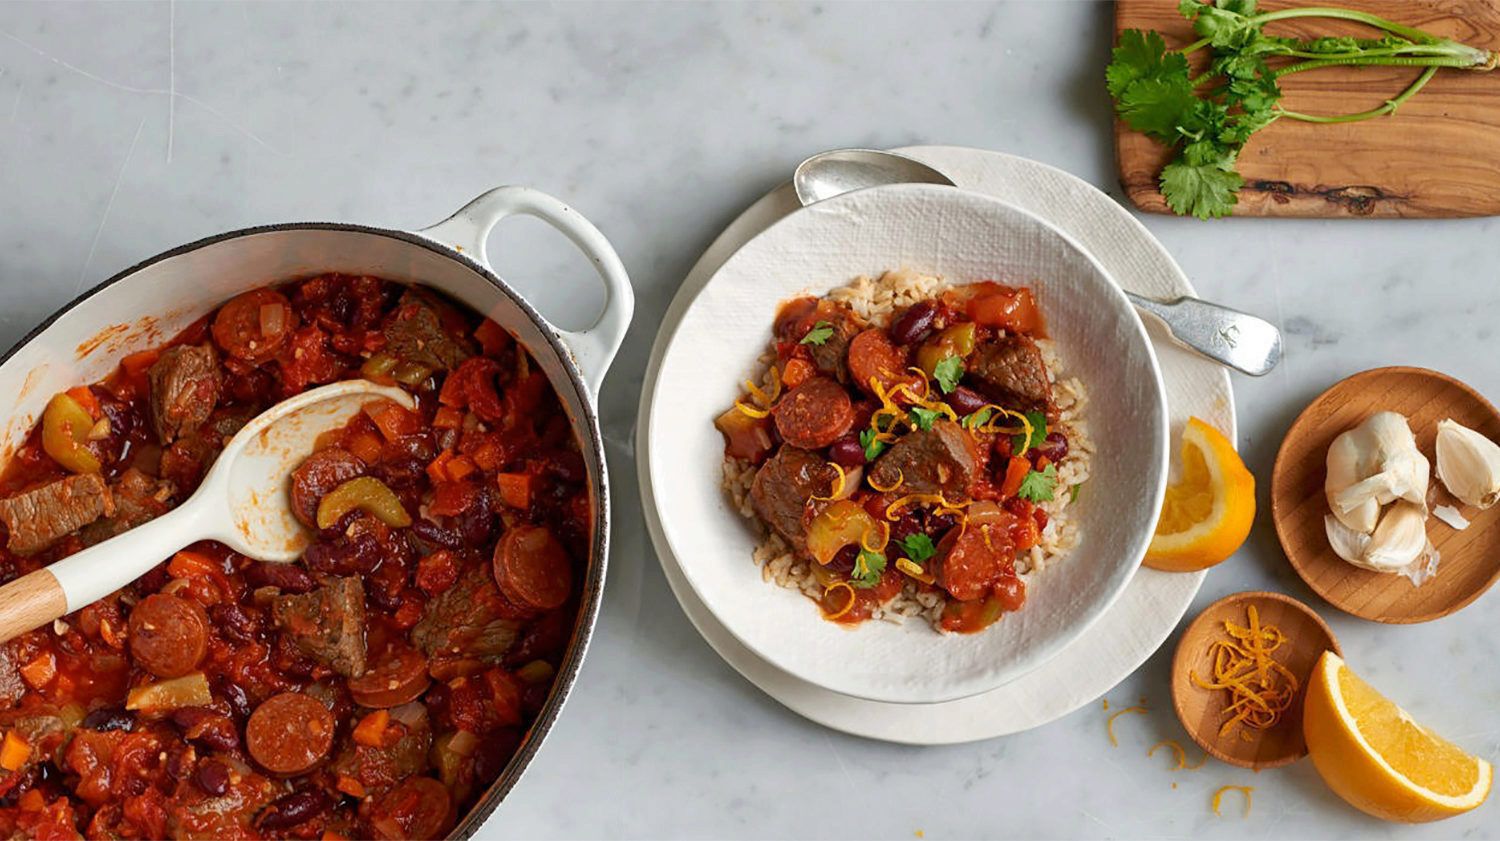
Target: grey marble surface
<point>126,129</point>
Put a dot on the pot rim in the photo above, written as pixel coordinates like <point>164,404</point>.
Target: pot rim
<point>592,596</point>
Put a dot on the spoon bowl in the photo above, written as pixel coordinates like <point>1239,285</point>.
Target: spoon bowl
<point>242,502</point>
<point>833,173</point>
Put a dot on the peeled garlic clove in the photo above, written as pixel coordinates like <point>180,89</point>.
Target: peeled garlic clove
<point>1344,460</point>
<point>1347,543</point>
<point>1388,465</point>
<point>1399,540</point>
<point>1468,464</point>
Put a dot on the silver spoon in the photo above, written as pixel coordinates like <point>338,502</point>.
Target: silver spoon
<point>1239,340</point>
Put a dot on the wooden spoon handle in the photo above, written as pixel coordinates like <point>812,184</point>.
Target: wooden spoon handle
<point>30,601</point>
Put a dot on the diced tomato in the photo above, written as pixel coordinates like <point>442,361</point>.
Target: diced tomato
<point>492,337</point>
<point>448,417</point>
<point>436,572</point>
<point>796,372</point>
<point>187,564</point>
<point>136,364</point>
<point>32,801</point>
<point>1001,306</point>
<point>85,397</point>
<point>1015,471</point>
<point>408,614</point>
<point>515,489</point>
<point>449,499</point>
<point>506,691</point>
<point>40,670</point>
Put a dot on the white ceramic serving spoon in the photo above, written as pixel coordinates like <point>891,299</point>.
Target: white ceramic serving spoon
<point>244,502</point>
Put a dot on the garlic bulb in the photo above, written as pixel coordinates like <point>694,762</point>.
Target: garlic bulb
<point>1468,464</point>
<point>1375,464</point>
<point>1398,545</point>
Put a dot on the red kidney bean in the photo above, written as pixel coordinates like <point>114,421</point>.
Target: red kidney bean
<point>289,578</point>
<point>847,451</point>
<point>212,775</point>
<point>843,560</point>
<point>295,808</point>
<point>436,534</point>
<point>206,727</point>
<point>912,326</point>
<point>109,718</point>
<point>965,400</point>
<point>1055,447</point>
<point>235,622</point>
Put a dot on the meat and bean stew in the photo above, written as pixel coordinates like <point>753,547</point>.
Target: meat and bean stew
<point>906,450</point>
<point>373,689</point>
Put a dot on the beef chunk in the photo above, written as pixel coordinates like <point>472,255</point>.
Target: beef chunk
<point>42,516</point>
<point>184,390</point>
<point>783,486</point>
<point>468,621</point>
<point>415,334</point>
<point>831,356</point>
<point>327,624</point>
<point>11,687</point>
<point>138,499</point>
<point>943,459</point>
<point>1011,372</point>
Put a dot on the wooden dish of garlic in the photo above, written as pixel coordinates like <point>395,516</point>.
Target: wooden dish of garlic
<point>1384,491</point>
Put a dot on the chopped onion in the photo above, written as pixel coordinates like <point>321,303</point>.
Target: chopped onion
<point>1451,516</point>
<point>272,319</point>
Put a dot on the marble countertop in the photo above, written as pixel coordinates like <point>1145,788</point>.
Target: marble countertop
<point>126,129</point>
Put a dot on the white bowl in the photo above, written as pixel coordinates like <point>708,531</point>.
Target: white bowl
<point>962,237</point>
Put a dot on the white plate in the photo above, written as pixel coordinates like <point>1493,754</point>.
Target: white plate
<point>1153,603</point>
<point>963,237</point>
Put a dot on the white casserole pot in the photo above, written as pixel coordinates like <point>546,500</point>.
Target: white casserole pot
<point>146,305</point>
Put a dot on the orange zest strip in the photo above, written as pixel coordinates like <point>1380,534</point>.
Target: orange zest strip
<point>837,489</point>
<point>1177,752</point>
<point>1260,689</point>
<point>754,413</point>
<point>848,606</point>
<point>1111,724</point>
<point>882,536</point>
<point>1219,797</point>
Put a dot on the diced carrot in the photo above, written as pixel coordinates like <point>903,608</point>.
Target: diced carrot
<point>449,499</point>
<point>453,392</point>
<point>370,731</point>
<point>349,786</point>
<point>365,445</point>
<point>492,337</point>
<point>32,801</point>
<point>14,751</point>
<point>437,469</point>
<point>328,438</point>
<point>447,417</point>
<point>136,364</point>
<point>515,489</point>
<point>1015,471</point>
<point>85,398</point>
<point>488,456</point>
<point>41,670</point>
<point>797,372</point>
<point>393,421</point>
<point>187,564</point>
<point>460,466</point>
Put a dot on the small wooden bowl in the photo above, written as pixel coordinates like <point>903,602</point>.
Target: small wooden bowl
<point>1201,711</point>
<point>1470,559</point>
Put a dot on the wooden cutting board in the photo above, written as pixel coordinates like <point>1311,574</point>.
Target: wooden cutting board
<point>1439,155</point>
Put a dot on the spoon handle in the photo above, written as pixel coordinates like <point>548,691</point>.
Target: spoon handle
<point>1243,342</point>
<point>84,577</point>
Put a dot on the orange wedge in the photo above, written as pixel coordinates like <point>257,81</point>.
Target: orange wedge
<point>1207,513</point>
<point>1376,757</point>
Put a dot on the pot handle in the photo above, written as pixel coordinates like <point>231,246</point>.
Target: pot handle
<point>469,229</point>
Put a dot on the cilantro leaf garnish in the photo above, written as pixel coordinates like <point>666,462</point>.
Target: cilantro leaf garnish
<point>918,547</point>
<point>948,372</point>
<point>873,446</point>
<point>1019,443</point>
<point>1206,119</point>
<point>979,418</point>
<point>924,418</point>
<point>867,569</point>
<point>1039,485</point>
<point>820,333</point>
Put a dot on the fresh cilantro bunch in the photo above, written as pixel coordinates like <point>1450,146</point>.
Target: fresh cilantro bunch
<point>1207,118</point>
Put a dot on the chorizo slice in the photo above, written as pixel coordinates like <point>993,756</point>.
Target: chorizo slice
<point>393,678</point>
<point>318,474</point>
<point>289,733</point>
<point>814,414</point>
<point>168,635</point>
<point>254,325</point>
<point>532,568</point>
<point>418,807</point>
<point>873,356</point>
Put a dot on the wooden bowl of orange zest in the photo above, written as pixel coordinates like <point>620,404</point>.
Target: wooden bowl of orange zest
<point>1239,676</point>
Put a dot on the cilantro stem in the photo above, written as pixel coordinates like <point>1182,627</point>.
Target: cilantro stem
<point>1389,107</point>
<point>1359,61</point>
<point>1347,14</point>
